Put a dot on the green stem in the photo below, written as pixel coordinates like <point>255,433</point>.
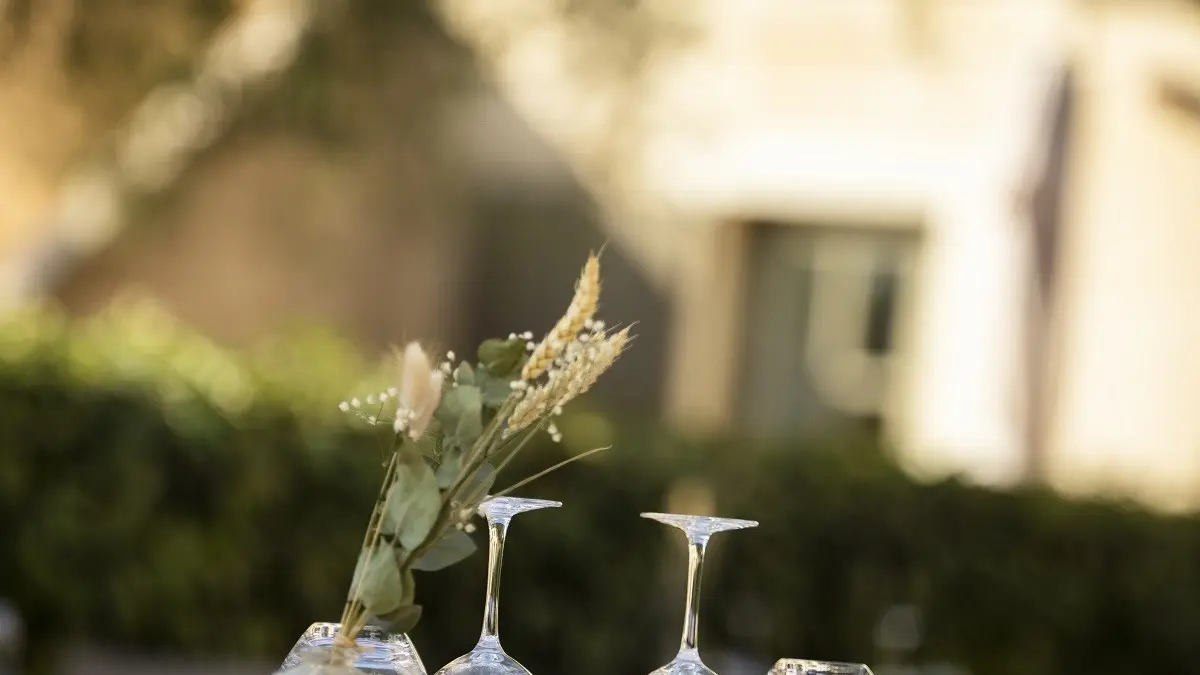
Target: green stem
<point>556,467</point>
<point>451,497</point>
<point>504,462</point>
<point>370,541</point>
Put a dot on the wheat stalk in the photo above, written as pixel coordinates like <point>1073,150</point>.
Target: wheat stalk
<point>582,308</point>
<point>585,359</point>
<point>600,360</point>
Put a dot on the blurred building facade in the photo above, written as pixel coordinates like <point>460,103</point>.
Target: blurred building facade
<point>970,221</point>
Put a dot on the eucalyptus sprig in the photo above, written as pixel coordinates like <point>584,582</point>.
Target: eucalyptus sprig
<point>456,426</point>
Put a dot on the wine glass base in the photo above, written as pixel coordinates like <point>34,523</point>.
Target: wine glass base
<point>504,508</point>
<point>703,526</point>
<point>685,667</point>
<point>484,662</point>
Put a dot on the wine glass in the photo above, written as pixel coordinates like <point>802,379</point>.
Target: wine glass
<point>488,657</point>
<point>698,529</point>
<point>807,667</point>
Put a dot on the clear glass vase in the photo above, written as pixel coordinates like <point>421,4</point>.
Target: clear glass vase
<point>809,667</point>
<point>377,652</point>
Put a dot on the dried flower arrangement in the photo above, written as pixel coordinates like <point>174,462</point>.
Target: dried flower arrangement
<point>455,427</point>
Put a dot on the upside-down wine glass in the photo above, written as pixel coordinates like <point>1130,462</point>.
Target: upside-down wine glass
<point>488,657</point>
<point>808,667</point>
<point>698,529</point>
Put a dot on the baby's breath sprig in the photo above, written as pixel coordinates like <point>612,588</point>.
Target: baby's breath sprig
<point>362,410</point>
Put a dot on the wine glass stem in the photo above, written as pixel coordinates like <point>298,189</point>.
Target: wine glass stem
<point>691,616</point>
<point>497,529</point>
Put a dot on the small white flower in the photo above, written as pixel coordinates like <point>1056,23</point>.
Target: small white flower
<point>371,419</point>
<point>371,399</point>
<point>589,324</point>
<point>391,391</point>
<point>355,402</point>
<point>529,346</point>
<point>343,406</point>
<point>450,356</point>
<point>512,336</point>
<point>444,367</point>
<point>527,335</point>
<point>469,527</point>
<point>557,410</point>
<point>383,397</point>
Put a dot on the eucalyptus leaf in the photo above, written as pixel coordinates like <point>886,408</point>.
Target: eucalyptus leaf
<point>464,374</point>
<point>449,468</point>
<point>502,358</point>
<point>461,399</point>
<point>457,402</point>
<point>470,418</point>
<point>414,488</point>
<point>380,586</point>
<point>455,547</point>
<point>421,511</point>
<point>407,583</point>
<point>481,481</point>
<point>448,411</point>
<point>494,390</point>
<point>400,620</point>
<point>428,445</point>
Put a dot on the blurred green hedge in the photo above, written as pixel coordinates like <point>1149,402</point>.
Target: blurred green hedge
<point>156,492</point>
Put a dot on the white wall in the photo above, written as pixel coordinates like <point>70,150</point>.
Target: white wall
<point>825,111</point>
<point>1129,414</point>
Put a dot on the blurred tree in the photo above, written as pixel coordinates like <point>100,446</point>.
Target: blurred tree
<point>96,58</point>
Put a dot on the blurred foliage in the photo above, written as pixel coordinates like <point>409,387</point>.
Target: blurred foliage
<point>160,493</point>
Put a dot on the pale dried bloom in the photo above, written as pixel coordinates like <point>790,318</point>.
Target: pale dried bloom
<point>420,392</point>
<point>583,306</point>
